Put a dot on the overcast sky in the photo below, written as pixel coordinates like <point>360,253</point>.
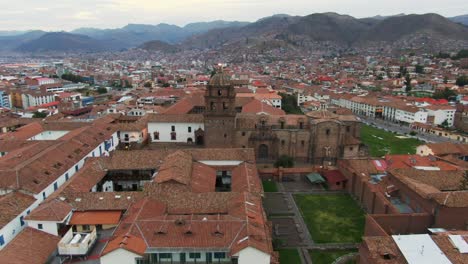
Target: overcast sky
<point>72,14</point>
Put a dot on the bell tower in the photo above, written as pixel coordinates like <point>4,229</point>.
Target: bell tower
<point>220,112</point>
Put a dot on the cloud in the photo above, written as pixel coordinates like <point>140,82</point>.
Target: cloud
<point>84,15</point>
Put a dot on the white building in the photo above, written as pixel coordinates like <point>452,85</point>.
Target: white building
<point>175,128</point>
<point>442,113</point>
<point>28,183</point>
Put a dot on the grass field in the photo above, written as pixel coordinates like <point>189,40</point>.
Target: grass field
<point>289,256</point>
<point>269,186</point>
<point>327,257</point>
<point>332,218</point>
<point>381,142</point>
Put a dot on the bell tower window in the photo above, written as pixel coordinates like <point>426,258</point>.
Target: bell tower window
<point>219,92</point>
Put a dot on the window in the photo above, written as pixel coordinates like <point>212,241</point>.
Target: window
<point>219,255</point>
<point>2,240</point>
<point>165,255</point>
<point>302,142</point>
<point>86,228</point>
<point>220,93</point>
<point>194,255</point>
<point>76,168</point>
<point>351,148</point>
<point>301,125</point>
<point>225,106</point>
<point>282,142</point>
<point>190,129</point>
<point>156,135</point>
<point>43,195</point>
<point>66,174</point>
<point>173,136</point>
<point>282,124</point>
<point>348,128</point>
<point>173,128</point>
<point>327,131</point>
<point>22,220</point>
<point>55,186</point>
<point>243,134</point>
<point>40,227</point>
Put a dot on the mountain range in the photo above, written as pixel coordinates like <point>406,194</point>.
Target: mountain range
<point>275,30</point>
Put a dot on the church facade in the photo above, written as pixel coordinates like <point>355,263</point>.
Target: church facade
<point>319,137</point>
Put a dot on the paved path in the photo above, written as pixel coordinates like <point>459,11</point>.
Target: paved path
<point>308,242</point>
<point>307,238</point>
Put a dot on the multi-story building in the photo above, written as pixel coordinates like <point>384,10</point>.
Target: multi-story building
<point>317,137</point>
<point>41,158</point>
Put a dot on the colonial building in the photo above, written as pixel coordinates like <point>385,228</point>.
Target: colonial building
<point>319,137</point>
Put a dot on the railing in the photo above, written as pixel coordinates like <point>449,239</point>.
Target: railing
<point>80,247</point>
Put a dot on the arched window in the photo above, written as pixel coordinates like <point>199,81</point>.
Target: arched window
<point>156,135</point>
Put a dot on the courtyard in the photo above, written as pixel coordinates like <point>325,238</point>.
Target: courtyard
<point>332,218</point>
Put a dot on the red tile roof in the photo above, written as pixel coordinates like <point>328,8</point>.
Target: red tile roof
<point>95,218</point>
<point>30,246</point>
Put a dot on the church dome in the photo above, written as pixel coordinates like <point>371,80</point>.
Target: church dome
<point>220,79</point>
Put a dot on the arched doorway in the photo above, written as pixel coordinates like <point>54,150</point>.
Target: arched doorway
<point>189,140</point>
<point>263,152</point>
<point>199,137</point>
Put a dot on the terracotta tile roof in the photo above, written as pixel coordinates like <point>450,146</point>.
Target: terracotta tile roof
<point>95,218</point>
<point>36,166</point>
<point>256,106</point>
<point>245,178</point>
<point>176,167</point>
<point>203,178</point>
<point>334,176</point>
<point>362,167</point>
<point>380,246</point>
<point>53,210</point>
<point>24,132</point>
<point>448,148</point>
<point>410,161</point>
<point>13,204</point>
<point>453,254</point>
<point>30,246</point>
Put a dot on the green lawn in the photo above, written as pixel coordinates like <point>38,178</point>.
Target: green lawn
<point>332,218</point>
<point>327,257</point>
<point>381,142</point>
<point>269,186</point>
<point>289,256</point>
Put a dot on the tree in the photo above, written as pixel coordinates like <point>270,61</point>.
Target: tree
<point>464,181</point>
<point>166,85</point>
<point>38,114</point>
<point>419,69</point>
<point>72,78</point>
<point>127,84</point>
<point>445,94</point>
<point>148,85</point>
<point>285,162</point>
<point>408,83</point>
<point>102,90</point>
<point>445,124</point>
<point>462,80</point>
<point>445,79</point>
<point>289,104</point>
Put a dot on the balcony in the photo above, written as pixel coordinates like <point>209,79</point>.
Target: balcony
<point>77,243</point>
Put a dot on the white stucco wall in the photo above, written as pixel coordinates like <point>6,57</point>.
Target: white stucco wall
<point>251,255</point>
<point>181,129</point>
<point>47,226</point>
<point>119,256</point>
